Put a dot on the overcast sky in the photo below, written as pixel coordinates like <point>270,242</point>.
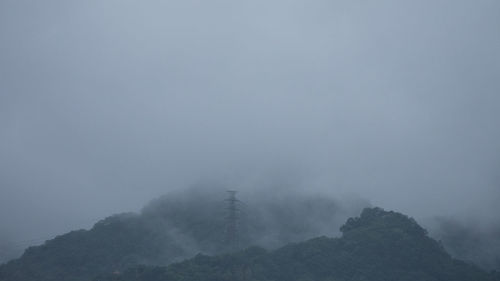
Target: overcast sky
<point>105,105</point>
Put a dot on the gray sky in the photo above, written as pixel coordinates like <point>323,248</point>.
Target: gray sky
<point>105,105</point>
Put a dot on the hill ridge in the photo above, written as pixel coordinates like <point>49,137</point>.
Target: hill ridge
<point>377,245</point>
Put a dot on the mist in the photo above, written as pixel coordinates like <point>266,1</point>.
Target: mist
<point>470,239</point>
<point>106,105</point>
<point>196,217</point>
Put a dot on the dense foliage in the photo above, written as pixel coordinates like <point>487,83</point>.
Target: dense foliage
<point>171,229</point>
<point>113,244</point>
<point>378,245</point>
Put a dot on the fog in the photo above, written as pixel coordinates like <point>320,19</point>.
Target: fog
<point>196,218</point>
<point>105,105</point>
<point>470,239</point>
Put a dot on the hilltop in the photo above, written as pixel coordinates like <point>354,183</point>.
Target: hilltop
<point>171,229</point>
<point>186,230</point>
<point>377,245</point>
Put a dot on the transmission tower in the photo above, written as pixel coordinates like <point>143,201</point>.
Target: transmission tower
<point>232,218</point>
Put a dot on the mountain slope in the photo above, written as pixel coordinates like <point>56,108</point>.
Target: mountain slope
<point>171,229</point>
<point>378,245</point>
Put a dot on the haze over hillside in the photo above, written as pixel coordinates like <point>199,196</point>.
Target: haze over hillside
<point>105,105</point>
<point>194,221</point>
<point>160,243</point>
<point>180,225</point>
<point>377,245</point>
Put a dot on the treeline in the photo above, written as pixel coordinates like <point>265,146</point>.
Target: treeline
<point>377,246</point>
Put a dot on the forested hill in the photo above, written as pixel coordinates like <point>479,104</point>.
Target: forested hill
<point>173,228</point>
<point>378,245</point>
<point>179,226</point>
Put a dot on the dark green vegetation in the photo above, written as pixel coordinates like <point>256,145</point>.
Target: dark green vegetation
<point>378,245</point>
<point>171,229</point>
